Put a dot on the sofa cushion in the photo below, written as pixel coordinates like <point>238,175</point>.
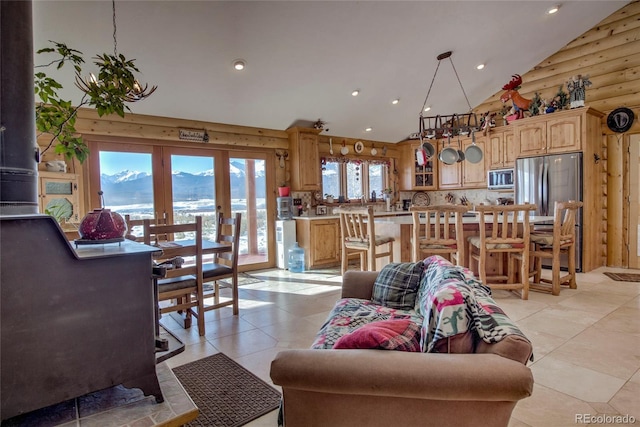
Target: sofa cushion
<point>395,334</point>
<point>397,285</point>
<point>349,314</point>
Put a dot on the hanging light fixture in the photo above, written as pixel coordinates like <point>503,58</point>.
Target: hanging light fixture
<point>443,126</point>
<point>116,79</point>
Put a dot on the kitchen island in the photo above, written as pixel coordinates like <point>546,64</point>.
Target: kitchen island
<point>320,236</point>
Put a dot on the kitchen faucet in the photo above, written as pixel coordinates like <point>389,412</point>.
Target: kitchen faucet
<point>363,199</point>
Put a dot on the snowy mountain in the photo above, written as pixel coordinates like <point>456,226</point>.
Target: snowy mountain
<point>133,187</point>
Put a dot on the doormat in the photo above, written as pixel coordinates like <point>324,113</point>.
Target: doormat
<point>226,394</point>
<point>243,279</point>
<point>624,277</point>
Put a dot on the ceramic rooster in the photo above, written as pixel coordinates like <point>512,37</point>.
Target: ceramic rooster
<point>520,104</point>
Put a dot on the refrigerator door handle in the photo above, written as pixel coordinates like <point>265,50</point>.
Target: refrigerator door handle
<point>545,189</point>
<point>540,189</point>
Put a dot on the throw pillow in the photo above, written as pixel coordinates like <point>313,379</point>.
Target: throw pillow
<point>397,284</point>
<point>399,334</point>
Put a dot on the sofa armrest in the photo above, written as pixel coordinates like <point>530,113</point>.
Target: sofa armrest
<point>479,377</point>
<point>358,284</point>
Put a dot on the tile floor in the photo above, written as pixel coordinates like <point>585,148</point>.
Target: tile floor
<point>586,341</point>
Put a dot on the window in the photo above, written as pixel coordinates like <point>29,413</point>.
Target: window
<point>354,178</point>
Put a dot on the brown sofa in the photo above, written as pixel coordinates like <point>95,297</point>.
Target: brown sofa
<point>382,388</point>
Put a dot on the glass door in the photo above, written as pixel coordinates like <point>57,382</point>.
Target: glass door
<point>249,197</point>
<point>194,182</point>
<point>125,175</point>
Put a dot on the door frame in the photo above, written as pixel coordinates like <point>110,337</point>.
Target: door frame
<point>632,193</point>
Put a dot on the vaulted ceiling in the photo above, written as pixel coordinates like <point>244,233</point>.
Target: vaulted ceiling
<point>304,58</point>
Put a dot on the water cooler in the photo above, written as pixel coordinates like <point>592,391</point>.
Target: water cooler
<point>285,207</point>
<point>285,238</point>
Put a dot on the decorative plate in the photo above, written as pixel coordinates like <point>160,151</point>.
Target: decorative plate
<point>620,120</point>
<point>358,147</point>
<point>420,198</point>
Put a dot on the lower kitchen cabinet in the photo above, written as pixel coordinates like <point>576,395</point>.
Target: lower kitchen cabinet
<point>320,239</point>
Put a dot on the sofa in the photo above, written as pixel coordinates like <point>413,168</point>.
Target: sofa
<point>447,355</point>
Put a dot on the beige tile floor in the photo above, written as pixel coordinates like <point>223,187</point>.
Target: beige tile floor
<point>586,341</point>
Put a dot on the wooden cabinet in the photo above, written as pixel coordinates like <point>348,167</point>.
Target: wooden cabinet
<point>320,239</point>
<point>559,132</point>
<point>464,174</point>
<point>413,175</point>
<point>500,150</point>
<point>59,197</point>
<point>305,160</point>
<point>474,175</point>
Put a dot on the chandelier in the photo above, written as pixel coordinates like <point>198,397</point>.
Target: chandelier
<point>446,126</point>
<point>116,82</point>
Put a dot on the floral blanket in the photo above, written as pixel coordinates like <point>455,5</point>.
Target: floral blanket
<point>453,301</point>
<point>351,313</point>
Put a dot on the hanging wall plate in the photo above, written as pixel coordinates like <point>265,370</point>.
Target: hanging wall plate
<point>358,147</point>
<point>620,120</point>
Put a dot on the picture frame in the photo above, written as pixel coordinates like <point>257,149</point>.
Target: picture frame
<point>321,210</point>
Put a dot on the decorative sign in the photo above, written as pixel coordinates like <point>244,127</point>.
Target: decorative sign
<point>193,135</point>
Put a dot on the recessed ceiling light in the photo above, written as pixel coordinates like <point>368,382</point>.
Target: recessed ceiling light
<point>553,9</point>
<point>355,92</point>
<point>368,129</point>
<point>395,101</point>
<point>427,108</point>
<point>239,64</point>
<point>480,66</point>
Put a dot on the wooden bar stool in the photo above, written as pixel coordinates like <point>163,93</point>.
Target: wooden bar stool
<point>504,231</point>
<point>441,233</point>
<point>358,237</point>
<point>562,240</point>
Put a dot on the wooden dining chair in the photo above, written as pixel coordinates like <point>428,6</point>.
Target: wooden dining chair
<point>551,245</point>
<point>504,232</point>
<point>224,265</point>
<point>358,236</point>
<point>139,223</point>
<point>181,284</point>
<point>440,233</point>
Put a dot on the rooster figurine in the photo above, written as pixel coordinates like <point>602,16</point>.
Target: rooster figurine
<point>520,104</point>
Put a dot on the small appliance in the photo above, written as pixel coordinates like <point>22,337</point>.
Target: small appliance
<point>285,207</point>
<point>285,238</point>
<point>500,179</point>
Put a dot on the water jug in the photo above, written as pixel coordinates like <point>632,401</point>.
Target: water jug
<point>296,259</point>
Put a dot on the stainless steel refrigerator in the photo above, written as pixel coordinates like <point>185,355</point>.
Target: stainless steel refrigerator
<point>546,179</point>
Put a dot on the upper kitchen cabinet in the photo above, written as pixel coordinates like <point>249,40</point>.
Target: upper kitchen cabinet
<point>464,174</point>
<point>414,176</point>
<point>501,149</point>
<point>559,132</point>
<point>305,160</point>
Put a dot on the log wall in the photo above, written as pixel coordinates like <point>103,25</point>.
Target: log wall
<point>609,54</point>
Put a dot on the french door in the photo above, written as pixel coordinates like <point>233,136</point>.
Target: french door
<point>177,183</point>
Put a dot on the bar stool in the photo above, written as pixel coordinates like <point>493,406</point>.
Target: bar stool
<point>504,231</point>
<point>562,240</point>
<point>441,233</point>
<point>358,237</point>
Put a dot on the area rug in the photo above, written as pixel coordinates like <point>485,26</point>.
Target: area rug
<point>226,394</point>
<point>243,279</point>
<point>624,277</point>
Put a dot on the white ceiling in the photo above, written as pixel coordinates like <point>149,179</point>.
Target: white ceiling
<point>304,58</point>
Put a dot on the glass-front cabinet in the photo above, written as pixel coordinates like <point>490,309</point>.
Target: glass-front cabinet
<point>415,176</point>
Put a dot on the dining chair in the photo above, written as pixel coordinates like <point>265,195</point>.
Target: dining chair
<point>134,223</point>
<point>440,233</point>
<point>358,236</point>
<point>504,232</point>
<point>181,284</point>
<point>550,245</point>
<point>224,264</point>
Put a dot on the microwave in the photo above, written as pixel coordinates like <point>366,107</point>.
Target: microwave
<point>499,179</point>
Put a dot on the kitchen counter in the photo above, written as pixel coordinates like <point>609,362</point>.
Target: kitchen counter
<point>380,214</point>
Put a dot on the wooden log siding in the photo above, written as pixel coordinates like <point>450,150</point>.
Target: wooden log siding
<point>609,54</point>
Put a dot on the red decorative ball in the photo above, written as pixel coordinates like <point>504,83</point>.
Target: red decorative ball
<point>102,224</point>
